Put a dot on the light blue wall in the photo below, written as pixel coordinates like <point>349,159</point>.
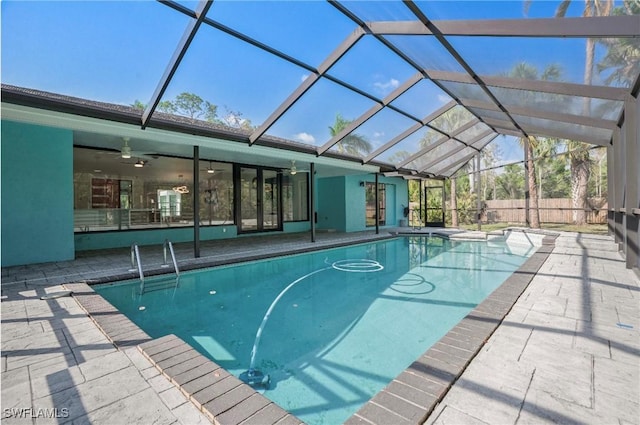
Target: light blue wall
<point>297,226</point>
<point>37,194</point>
<point>341,202</point>
<point>330,204</point>
<point>101,240</point>
<point>355,208</point>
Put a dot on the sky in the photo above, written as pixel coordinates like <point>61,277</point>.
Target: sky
<point>117,51</point>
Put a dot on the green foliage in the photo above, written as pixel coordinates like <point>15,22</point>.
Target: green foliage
<point>414,191</point>
<point>352,144</point>
<point>138,105</point>
<point>556,180</point>
<point>194,107</point>
<point>511,183</point>
<point>621,64</point>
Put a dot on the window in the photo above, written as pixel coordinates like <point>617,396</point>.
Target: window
<point>370,196</point>
<point>295,196</point>
<point>112,193</point>
<point>216,193</point>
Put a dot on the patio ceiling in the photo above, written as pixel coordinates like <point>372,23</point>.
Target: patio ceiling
<point>426,84</point>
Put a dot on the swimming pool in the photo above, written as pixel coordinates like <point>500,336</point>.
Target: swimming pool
<point>330,328</point>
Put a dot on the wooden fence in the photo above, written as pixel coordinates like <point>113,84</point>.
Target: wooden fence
<point>551,211</point>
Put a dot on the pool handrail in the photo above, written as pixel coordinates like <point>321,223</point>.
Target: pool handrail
<point>167,243</point>
<point>135,259</point>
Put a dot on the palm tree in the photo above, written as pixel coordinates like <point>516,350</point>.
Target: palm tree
<point>579,152</point>
<point>623,55</point>
<point>533,145</point>
<point>578,160</point>
<point>353,144</point>
<point>545,149</point>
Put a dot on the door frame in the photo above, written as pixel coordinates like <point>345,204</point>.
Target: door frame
<point>259,198</point>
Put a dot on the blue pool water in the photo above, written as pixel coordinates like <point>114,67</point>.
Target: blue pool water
<point>341,323</point>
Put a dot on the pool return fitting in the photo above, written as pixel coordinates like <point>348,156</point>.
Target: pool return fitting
<point>257,378</point>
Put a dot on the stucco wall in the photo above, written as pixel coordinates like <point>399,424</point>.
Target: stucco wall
<point>341,202</point>
<point>37,194</point>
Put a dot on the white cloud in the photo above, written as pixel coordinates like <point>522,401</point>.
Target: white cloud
<point>387,86</point>
<point>304,138</point>
<point>304,77</point>
<point>378,134</point>
<point>443,98</point>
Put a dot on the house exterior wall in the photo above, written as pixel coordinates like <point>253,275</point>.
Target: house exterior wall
<point>37,194</point>
<point>38,203</point>
<point>331,204</point>
<point>341,202</point>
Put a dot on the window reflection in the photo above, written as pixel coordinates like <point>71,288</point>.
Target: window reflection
<point>216,193</point>
<point>294,197</point>
<point>111,193</point>
<point>370,208</point>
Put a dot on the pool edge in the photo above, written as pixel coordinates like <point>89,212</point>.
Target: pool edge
<point>410,397</point>
<point>220,396</point>
<point>413,395</point>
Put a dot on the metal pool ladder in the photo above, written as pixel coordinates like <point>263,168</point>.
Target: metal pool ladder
<point>136,264</point>
<point>168,244</point>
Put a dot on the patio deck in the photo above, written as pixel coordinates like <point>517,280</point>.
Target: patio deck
<point>568,351</point>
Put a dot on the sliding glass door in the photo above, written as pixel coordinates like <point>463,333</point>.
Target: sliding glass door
<point>259,205</point>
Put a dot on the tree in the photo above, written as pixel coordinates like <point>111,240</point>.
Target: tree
<point>447,122</point>
<point>352,144</point>
<point>622,60</point>
<point>579,152</point>
<point>579,161</point>
<point>235,119</point>
<point>598,186</point>
<point>138,105</point>
<point>557,181</point>
<point>510,184</point>
<point>532,144</point>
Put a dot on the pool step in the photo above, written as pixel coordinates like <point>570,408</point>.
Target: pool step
<point>222,397</point>
<point>159,285</point>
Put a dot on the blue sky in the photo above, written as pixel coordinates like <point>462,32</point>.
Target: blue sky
<point>116,51</point>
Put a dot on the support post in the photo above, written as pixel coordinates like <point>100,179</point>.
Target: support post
<point>478,191</point>
<point>632,156</point>
<point>527,194</point>
<point>312,202</point>
<point>444,205</point>
<point>611,190</point>
<point>196,201</point>
<point>618,173</point>
<point>377,198</point>
<point>419,203</point>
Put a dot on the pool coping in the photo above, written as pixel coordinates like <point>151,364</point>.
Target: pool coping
<point>407,399</point>
<point>413,394</point>
<point>206,262</point>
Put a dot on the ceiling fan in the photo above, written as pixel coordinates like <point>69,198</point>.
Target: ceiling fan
<point>293,170</point>
<point>211,170</point>
<point>127,153</point>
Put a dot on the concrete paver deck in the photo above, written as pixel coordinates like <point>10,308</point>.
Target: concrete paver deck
<point>568,351</point>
